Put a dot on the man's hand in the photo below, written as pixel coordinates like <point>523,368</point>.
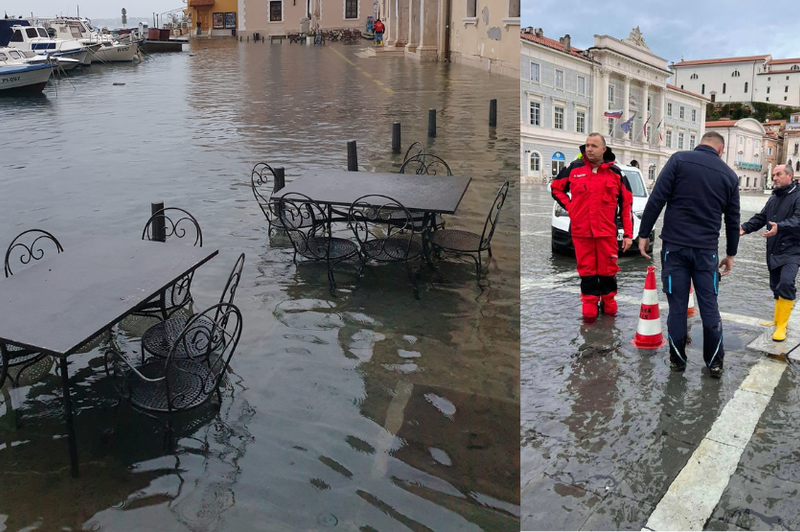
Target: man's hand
<point>726,265</point>
<point>626,244</point>
<point>773,230</point>
<point>741,231</point>
<point>644,243</point>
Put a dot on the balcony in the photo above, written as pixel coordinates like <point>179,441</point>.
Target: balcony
<point>748,166</point>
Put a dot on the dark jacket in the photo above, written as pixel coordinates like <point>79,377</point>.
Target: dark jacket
<point>782,208</point>
<point>597,198</point>
<point>698,189</point>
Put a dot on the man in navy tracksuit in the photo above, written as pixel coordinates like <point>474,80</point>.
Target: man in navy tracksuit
<point>698,189</point>
<point>782,214</point>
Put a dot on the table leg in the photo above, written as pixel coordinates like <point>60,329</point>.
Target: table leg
<point>427,220</point>
<point>73,444</point>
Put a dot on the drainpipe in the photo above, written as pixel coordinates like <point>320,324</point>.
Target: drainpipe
<point>448,15</point>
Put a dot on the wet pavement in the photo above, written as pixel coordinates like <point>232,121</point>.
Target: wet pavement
<point>367,411</point>
<point>606,429</point>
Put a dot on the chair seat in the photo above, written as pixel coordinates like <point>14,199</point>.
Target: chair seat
<point>315,248</point>
<point>391,249</point>
<point>416,219</point>
<point>158,339</point>
<point>191,384</point>
<point>19,355</point>
<point>456,240</point>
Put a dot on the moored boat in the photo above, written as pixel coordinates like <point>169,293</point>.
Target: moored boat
<point>24,77</point>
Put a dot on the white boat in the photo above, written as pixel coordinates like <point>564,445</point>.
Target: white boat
<point>8,55</point>
<point>35,39</point>
<point>109,49</point>
<point>16,74</point>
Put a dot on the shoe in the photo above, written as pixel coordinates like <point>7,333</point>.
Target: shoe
<point>589,306</point>
<point>783,309</point>
<point>716,371</point>
<point>609,304</point>
<point>677,367</point>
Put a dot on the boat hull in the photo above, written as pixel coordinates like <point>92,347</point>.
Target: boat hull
<point>115,53</point>
<point>30,78</point>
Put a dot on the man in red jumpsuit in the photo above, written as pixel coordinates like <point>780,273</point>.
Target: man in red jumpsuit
<point>599,191</point>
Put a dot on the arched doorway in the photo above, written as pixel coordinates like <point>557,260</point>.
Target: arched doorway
<point>557,163</point>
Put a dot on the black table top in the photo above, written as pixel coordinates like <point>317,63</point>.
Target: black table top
<point>430,193</point>
<point>65,300</point>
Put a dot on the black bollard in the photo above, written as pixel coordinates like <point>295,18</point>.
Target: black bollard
<point>492,113</point>
<point>248,38</point>
<point>431,122</point>
<point>396,137</point>
<point>158,227</point>
<point>352,156</point>
<point>280,179</point>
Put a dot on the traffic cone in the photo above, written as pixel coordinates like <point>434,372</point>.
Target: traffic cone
<point>691,311</point>
<point>648,332</point>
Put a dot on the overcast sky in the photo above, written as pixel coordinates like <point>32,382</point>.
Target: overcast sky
<point>694,29</point>
<point>93,9</point>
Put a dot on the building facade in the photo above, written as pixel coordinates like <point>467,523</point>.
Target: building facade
<point>213,17</point>
<point>757,78</point>
<point>791,142</point>
<point>744,141</point>
<point>565,93</point>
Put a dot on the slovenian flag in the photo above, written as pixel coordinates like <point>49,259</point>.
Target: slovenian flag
<point>613,114</point>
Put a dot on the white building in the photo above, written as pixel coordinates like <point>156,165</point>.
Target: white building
<point>569,90</point>
<point>757,78</point>
<point>791,142</point>
<point>743,149</point>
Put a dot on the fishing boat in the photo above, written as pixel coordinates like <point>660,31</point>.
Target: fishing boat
<point>21,35</point>
<point>110,50</point>
<point>17,75</point>
<point>13,56</point>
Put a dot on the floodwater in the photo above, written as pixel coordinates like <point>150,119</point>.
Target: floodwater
<point>606,428</point>
<point>366,411</point>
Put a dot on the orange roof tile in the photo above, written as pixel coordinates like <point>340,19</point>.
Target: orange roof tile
<point>774,122</point>
<point>721,123</point>
<point>784,61</point>
<point>555,45</point>
<point>673,87</point>
<point>746,59</point>
<point>779,72</point>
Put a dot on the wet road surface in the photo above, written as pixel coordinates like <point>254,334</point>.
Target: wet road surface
<point>368,411</point>
<point>606,429</point>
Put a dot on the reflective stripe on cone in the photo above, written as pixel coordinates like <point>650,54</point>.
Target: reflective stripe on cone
<point>648,331</point>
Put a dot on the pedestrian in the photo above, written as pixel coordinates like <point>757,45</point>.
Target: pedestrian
<point>378,29</point>
<point>782,216</point>
<point>698,188</point>
<point>600,192</point>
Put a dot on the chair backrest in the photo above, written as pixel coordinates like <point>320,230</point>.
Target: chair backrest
<point>29,246</point>
<point>210,339</point>
<point>306,223</point>
<point>425,163</point>
<point>265,182</point>
<point>416,148</point>
<point>383,227</point>
<point>233,281</point>
<point>494,214</point>
<point>178,223</point>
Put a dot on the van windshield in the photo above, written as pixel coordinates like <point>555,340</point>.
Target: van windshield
<point>637,185</point>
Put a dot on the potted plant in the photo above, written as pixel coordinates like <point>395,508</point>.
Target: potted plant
<point>310,38</point>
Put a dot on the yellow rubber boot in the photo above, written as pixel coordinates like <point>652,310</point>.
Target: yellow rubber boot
<point>783,309</point>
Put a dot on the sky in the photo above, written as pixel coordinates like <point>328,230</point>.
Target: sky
<point>93,9</point>
<point>698,29</point>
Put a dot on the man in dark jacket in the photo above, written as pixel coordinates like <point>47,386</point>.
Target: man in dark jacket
<point>698,188</point>
<point>782,216</point>
<point>598,192</point>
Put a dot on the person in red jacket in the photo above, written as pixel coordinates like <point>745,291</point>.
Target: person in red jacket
<point>378,28</point>
<point>599,192</point>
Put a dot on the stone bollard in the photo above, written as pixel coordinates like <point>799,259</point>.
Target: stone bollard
<point>352,156</point>
<point>431,122</point>
<point>158,227</point>
<point>396,137</point>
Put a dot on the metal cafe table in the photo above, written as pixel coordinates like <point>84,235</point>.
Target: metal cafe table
<point>61,303</point>
<point>433,194</point>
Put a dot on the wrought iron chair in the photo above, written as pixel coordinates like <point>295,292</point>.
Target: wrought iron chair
<point>179,224</point>
<point>416,148</point>
<point>263,190</point>
<point>466,243</point>
<point>28,246</point>
<point>385,232</point>
<point>159,339</point>
<point>308,225</point>
<point>422,163</point>
<point>192,372</point>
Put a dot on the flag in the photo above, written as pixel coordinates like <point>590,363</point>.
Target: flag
<point>658,128</point>
<point>644,127</point>
<point>613,114</point>
<point>626,126</point>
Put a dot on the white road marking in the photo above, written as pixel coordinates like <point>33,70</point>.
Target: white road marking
<point>695,492</point>
<point>535,233</point>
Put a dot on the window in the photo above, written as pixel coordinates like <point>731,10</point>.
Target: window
<point>755,158</point>
<point>513,9</point>
<point>681,112</point>
<point>681,87</point>
<point>350,9</point>
<point>17,37</point>
<point>669,109</point>
<point>748,181</point>
<point>275,10</point>
<point>680,140</point>
<point>767,90</point>
<point>651,172</point>
<point>693,76</point>
<point>31,33</point>
<point>536,114</point>
<point>784,98</point>
<point>769,152</point>
<point>795,67</point>
<point>692,141</point>
<point>741,140</point>
<point>559,79</point>
<point>472,8</point>
<point>535,163</point>
<point>735,74</point>
<point>745,87</point>
<point>580,122</point>
<point>535,72</point>
<point>647,135</point>
<point>739,156</point>
<point>767,98</point>
<point>798,166</point>
<point>581,85</point>
<point>723,88</point>
<point>669,138</point>
<point>769,78</point>
<point>610,128</point>
<point>694,115</point>
<point>795,148</point>
<point>703,88</point>
<point>786,88</point>
<point>648,103</point>
<point>558,123</point>
<point>787,78</point>
<point>43,33</point>
<point>610,95</point>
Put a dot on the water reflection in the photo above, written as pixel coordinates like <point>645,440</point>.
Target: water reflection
<point>370,410</point>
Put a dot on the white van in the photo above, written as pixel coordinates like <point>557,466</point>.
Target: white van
<point>561,241</point>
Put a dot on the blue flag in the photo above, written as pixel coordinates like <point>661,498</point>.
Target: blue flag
<point>626,126</point>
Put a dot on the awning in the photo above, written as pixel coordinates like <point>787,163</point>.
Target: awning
<point>196,3</point>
